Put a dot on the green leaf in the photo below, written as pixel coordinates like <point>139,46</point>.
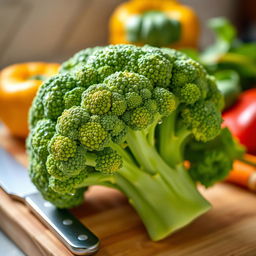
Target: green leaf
<point>228,82</point>
<point>225,34</point>
<point>246,49</point>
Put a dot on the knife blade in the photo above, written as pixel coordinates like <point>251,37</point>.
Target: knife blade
<point>14,180</point>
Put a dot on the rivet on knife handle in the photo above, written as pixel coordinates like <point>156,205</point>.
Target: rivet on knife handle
<point>78,239</point>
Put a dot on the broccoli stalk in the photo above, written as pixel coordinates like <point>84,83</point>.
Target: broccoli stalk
<point>165,198</point>
<point>171,141</point>
<point>128,117</point>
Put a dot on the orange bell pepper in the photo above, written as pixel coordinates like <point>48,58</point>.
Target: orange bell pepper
<point>162,23</point>
<point>18,86</point>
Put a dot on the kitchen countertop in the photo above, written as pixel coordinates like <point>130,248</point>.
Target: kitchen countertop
<point>7,247</point>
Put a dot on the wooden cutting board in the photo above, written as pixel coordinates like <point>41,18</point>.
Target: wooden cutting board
<point>228,229</point>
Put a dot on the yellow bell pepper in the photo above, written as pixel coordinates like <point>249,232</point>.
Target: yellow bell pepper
<point>162,23</point>
<point>18,86</point>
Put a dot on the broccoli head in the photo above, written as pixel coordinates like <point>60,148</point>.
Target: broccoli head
<point>127,117</point>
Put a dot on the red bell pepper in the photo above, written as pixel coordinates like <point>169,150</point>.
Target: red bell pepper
<point>241,119</point>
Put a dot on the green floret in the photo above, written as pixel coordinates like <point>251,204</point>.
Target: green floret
<point>165,100</point>
<point>138,119</point>
<point>54,92</point>
<point>133,100</point>
<point>74,165</point>
<point>40,178</point>
<point>109,56</point>
<point>71,120</point>
<point>188,93</point>
<point>128,82</point>
<point>214,95</point>
<point>115,127</point>
<point>156,68</point>
<point>40,137</point>
<point>36,112</point>
<point>104,72</point>
<point>112,124</point>
<point>184,71</point>
<point>93,136</point>
<point>212,168</point>
<point>152,106</point>
<point>78,59</point>
<point>203,119</point>
<point>173,54</point>
<point>97,99</point>
<point>106,161</point>
<point>127,117</point>
<point>85,74</point>
<point>119,104</point>
<point>53,170</point>
<point>62,148</point>
<point>119,136</point>
<point>69,185</point>
<point>216,158</point>
<point>73,97</point>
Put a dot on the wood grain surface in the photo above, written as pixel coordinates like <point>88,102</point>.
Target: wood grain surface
<point>228,229</point>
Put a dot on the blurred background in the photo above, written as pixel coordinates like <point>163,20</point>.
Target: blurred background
<point>33,30</point>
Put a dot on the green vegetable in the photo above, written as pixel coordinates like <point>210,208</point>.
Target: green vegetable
<point>228,83</point>
<point>154,28</point>
<point>127,117</point>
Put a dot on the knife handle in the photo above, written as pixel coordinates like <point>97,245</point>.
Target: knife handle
<point>76,237</point>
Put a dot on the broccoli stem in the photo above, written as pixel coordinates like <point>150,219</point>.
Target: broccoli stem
<point>175,201</point>
<point>171,143</point>
<point>169,207</point>
<point>152,128</point>
<point>107,180</point>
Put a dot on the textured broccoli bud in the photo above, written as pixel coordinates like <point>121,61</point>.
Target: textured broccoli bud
<point>108,161</point>
<point>203,119</point>
<point>53,100</point>
<point>39,176</point>
<point>214,95</point>
<point>62,148</point>
<point>185,71</point>
<point>112,124</point>
<point>53,170</point>
<point>152,106</point>
<point>188,93</point>
<point>165,100</point>
<point>128,82</point>
<point>78,59</point>
<point>156,68</point>
<point>97,99</point>
<point>93,136</point>
<point>71,120</point>
<point>69,185</point>
<point>75,164</point>
<point>85,74</point>
<point>212,168</point>
<point>73,97</point>
<point>212,161</point>
<point>119,104</point>
<point>139,118</point>
<point>133,100</point>
<point>40,137</point>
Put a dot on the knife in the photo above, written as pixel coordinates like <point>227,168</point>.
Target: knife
<point>14,180</point>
